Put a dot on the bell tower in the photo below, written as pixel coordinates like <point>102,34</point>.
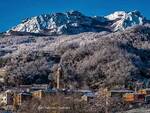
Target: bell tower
<point>59,75</point>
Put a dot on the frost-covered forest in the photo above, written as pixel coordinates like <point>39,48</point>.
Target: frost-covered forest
<point>87,59</point>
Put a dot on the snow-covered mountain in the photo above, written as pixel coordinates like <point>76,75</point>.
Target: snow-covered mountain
<point>61,23</point>
<point>74,22</point>
<point>123,20</point>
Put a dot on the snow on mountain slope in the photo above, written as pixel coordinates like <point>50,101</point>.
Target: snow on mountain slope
<point>60,23</point>
<point>74,22</point>
<point>123,20</point>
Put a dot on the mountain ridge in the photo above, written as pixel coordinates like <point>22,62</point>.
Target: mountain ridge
<point>74,22</point>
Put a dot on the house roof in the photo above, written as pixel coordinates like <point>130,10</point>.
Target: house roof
<point>25,93</point>
<point>122,91</point>
<point>83,91</point>
<point>89,94</point>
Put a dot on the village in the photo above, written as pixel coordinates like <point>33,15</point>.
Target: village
<point>11,98</point>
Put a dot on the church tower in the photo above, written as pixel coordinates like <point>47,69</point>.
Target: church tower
<point>59,75</point>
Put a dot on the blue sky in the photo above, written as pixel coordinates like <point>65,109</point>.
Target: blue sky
<point>13,11</point>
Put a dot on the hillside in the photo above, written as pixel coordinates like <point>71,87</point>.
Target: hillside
<point>87,59</point>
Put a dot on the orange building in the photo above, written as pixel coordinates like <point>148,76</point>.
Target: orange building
<point>144,91</point>
<point>119,92</point>
<point>129,97</point>
<point>21,97</point>
<point>134,98</point>
<point>38,94</point>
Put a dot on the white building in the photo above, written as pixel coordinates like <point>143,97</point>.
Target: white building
<point>2,74</point>
<point>6,98</point>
